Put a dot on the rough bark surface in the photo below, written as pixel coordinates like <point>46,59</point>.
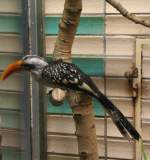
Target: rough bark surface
<point>67,30</point>
<point>85,125</point>
<point>128,15</point>
<point>81,104</point>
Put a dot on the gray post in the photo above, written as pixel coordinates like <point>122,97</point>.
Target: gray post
<point>26,102</point>
<point>38,107</point>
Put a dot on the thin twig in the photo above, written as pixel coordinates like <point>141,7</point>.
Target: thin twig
<point>128,15</point>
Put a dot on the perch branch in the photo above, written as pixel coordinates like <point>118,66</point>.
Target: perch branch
<point>85,125</point>
<point>128,15</point>
<point>81,104</point>
<point>67,29</point>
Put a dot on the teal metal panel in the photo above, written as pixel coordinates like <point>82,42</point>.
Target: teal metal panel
<point>11,119</point>
<point>11,154</point>
<point>91,66</point>
<point>10,24</point>
<point>87,26</point>
<point>65,108</point>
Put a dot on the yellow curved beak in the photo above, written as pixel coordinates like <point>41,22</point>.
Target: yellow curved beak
<point>14,67</point>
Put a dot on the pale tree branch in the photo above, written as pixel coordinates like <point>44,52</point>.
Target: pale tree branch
<point>67,29</point>
<point>81,104</point>
<point>128,15</point>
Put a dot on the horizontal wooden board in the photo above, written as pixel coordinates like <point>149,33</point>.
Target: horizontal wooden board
<point>120,45</point>
<point>10,24</point>
<point>5,60</point>
<point>82,46</point>
<point>120,25</point>
<point>94,45</point>
<point>10,119</point>
<point>118,66</point>
<point>117,87</point>
<point>134,6</point>
<point>124,148</point>
<point>14,43</point>
<point>125,105</point>
<point>145,109</point>
<point>68,157</point>
<point>145,130</point>
<point>89,7</point>
<point>10,101</point>
<point>88,25</point>
<point>61,157</point>
<point>65,125</point>
<point>96,67</point>
<point>11,154</point>
<point>57,144</point>
<point>11,139</point>
<point>13,83</point>
<point>146,88</point>
<point>97,6</point>
<point>10,6</point>
<point>146,68</point>
<point>146,50</point>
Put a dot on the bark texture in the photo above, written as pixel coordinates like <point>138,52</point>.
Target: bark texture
<point>81,104</point>
<point>85,125</point>
<point>67,30</point>
<point>128,15</point>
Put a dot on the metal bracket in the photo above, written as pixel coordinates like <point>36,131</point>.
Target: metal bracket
<point>133,87</point>
<point>135,82</point>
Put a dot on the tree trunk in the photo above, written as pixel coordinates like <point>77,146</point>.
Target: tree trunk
<point>67,30</point>
<point>85,125</point>
<point>81,104</point>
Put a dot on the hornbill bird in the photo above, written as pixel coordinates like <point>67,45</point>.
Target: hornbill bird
<point>67,76</point>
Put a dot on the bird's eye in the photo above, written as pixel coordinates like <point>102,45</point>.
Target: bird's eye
<point>28,66</point>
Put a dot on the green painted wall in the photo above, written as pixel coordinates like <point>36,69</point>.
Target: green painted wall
<point>11,154</point>
<point>88,25</point>
<point>11,119</point>
<point>10,24</point>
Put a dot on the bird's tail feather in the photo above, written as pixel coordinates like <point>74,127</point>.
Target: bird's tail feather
<point>124,126</point>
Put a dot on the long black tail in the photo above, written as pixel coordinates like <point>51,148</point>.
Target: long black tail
<point>124,126</point>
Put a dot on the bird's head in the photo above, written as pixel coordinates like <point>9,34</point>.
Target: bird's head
<point>31,63</point>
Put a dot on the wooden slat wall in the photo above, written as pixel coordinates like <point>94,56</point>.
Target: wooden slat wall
<point>146,96</point>
<point>11,123</point>
<point>120,40</point>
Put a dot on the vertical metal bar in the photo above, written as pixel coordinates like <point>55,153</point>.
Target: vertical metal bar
<point>105,118</point>
<point>26,103</point>
<point>38,107</point>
